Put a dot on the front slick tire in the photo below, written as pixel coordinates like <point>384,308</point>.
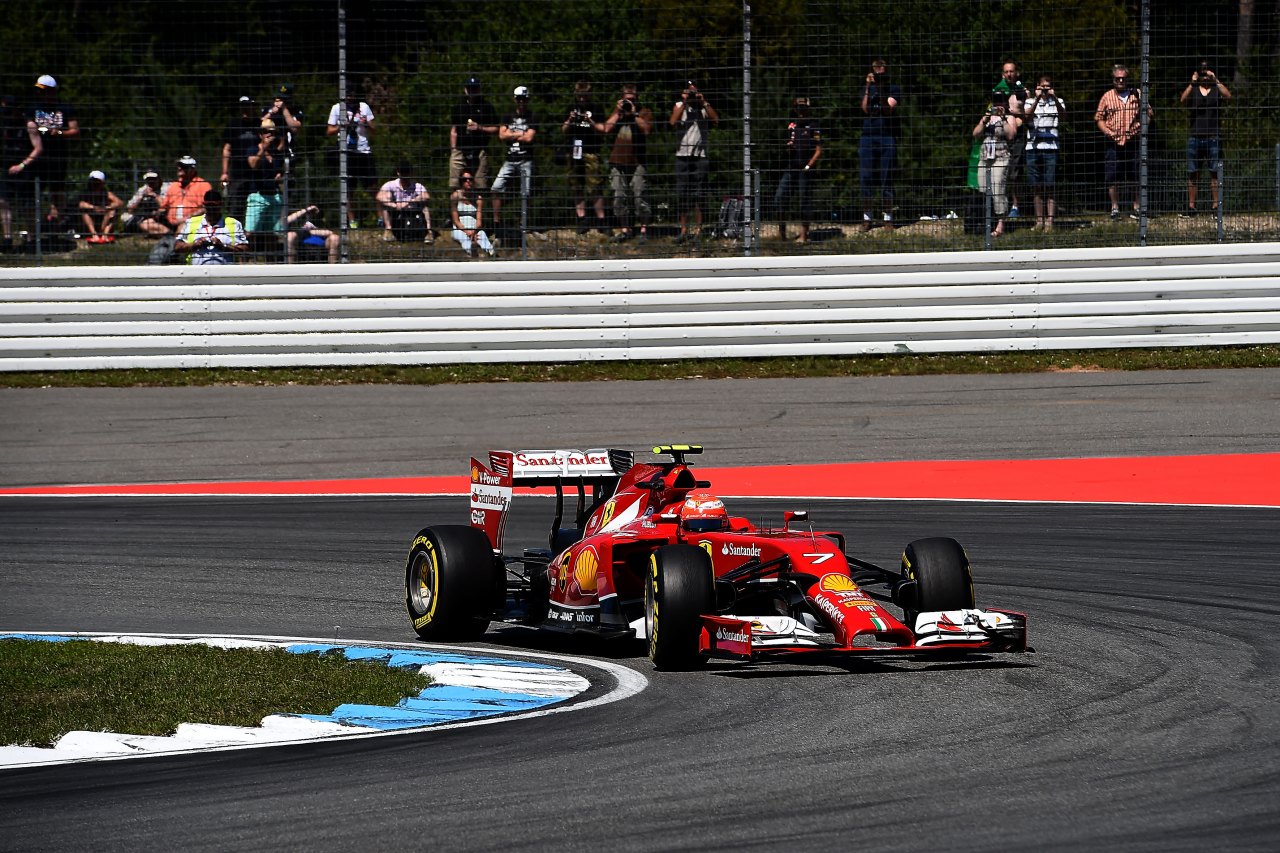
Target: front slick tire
<point>940,569</point>
<point>449,582</point>
<point>679,590</point>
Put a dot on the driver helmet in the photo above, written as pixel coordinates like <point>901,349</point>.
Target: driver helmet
<point>702,512</point>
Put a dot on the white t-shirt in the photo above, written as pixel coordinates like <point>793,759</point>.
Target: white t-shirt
<point>340,116</point>
<point>1043,133</point>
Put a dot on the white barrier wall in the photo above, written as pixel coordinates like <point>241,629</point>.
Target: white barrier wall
<point>439,313</point>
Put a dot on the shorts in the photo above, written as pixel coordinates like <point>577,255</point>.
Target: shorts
<point>524,168</point>
<point>1042,167</point>
<point>691,181</point>
<point>262,212</point>
<point>1120,162</point>
<point>585,179</point>
<point>1202,153</point>
<point>478,162</point>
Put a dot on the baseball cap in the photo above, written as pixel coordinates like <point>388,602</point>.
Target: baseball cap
<point>285,90</point>
<point>46,82</point>
<point>245,99</point>
<point>187,160</point>
<point>149,174</point>
<point>473,83</point>
<point>212,195</point>
<point>522,91</point>
<point>97,175</point>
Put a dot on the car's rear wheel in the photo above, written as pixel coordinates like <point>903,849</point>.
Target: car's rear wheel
<point>940,571</point>
<point>449,583</point>
<point>679,589</point>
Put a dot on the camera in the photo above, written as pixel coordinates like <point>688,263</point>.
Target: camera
<point>628,106</point>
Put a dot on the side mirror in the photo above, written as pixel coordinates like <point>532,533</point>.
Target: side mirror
<point>793,515</point>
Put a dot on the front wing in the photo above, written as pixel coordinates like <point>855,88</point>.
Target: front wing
<point>941,633</point>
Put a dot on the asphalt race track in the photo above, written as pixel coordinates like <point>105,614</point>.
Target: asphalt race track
<point>1147,720</point>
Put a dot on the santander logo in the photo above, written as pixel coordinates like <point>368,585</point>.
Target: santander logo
<point>730,550</point>
<point>732,636</point>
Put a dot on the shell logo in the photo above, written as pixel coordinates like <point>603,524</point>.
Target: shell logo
<point>585,569</point>
<point>838,583</point>
<point>475,474</point>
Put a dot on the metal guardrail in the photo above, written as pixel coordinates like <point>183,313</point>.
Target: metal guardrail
<point>440,313</point>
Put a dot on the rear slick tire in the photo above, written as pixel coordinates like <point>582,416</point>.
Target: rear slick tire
<point>679,589</point>
<point>449,581</point>
<point>943,580</point>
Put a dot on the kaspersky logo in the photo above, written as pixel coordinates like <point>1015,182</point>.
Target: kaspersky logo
<point>739,550</point>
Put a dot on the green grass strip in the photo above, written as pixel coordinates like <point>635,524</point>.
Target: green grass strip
<point>1179,358</point>
<point>49,689</point>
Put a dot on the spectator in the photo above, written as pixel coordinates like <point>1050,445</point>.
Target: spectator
<point>997,130</point>
<point>1043,112</point>
<point>56,123</point>
<point>582,129</point>
<point>804,147</point>
<point>1119,120</point>
<point>517,129</point>
<point>210,237</point>
<point>142,212</point>
<point>878,147</point>
<point>309,234</point>
<point>353,118</point>
<point>98,208</point>
<point>20,146</point>
<point>466,208</point>
<point>630,125</point>
<point>692,117</point>
<point>403,204</point>
<point>265,205</point>
<point>1010,86</point>
<point>184,197</point>
<point>239,140</point>
<point>474,121</point>
<point>1204,96</point>
<point>285,115</point>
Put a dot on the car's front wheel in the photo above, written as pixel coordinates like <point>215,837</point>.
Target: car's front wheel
<point>939,569</point>
<point>679,589</point>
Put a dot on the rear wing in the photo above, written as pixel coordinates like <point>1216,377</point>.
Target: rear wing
<point>492,484</point>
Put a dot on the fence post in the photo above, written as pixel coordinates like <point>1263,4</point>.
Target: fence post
<point>39,224</point>
<point>1222,197</point>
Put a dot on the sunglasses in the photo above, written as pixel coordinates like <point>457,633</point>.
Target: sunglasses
<point>467,180</point>
<point>1119,79</point>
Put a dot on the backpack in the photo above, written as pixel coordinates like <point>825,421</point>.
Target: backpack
<point>732,222</point>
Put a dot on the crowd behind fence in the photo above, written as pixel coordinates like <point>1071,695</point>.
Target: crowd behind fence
<point>772,88</point>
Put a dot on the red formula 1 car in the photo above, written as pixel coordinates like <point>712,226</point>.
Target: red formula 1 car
<point>652,552</point>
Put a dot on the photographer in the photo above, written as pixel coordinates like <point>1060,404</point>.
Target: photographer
<point>996,130</point>
<point>142,212</point>
<point>1043,115</point>
<point>877,149</point>
<point>1204,96</point>
<point>582,128</point>
<point>630,123</point>
<point>1010,87</point>
<point>693,118</point>
<point>472,122</point>
<point>285,115</point>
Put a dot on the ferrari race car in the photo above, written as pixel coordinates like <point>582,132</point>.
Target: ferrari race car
<point>651,552</point>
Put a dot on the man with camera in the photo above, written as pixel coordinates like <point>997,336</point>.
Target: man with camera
<point>995,131</point>
<point>1010,86</point>
<point>630,123</point>
<point>1204,96</point>
<point>804,147</point>
<point>877,149</point>
<point>1042,114</point>
<point>693,118</point>
<point>582,128</point>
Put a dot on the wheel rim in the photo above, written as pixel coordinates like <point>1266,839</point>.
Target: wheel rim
<point>421,577</point>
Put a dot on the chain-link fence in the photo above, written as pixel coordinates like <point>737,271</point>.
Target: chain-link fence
<point>732,101</point>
